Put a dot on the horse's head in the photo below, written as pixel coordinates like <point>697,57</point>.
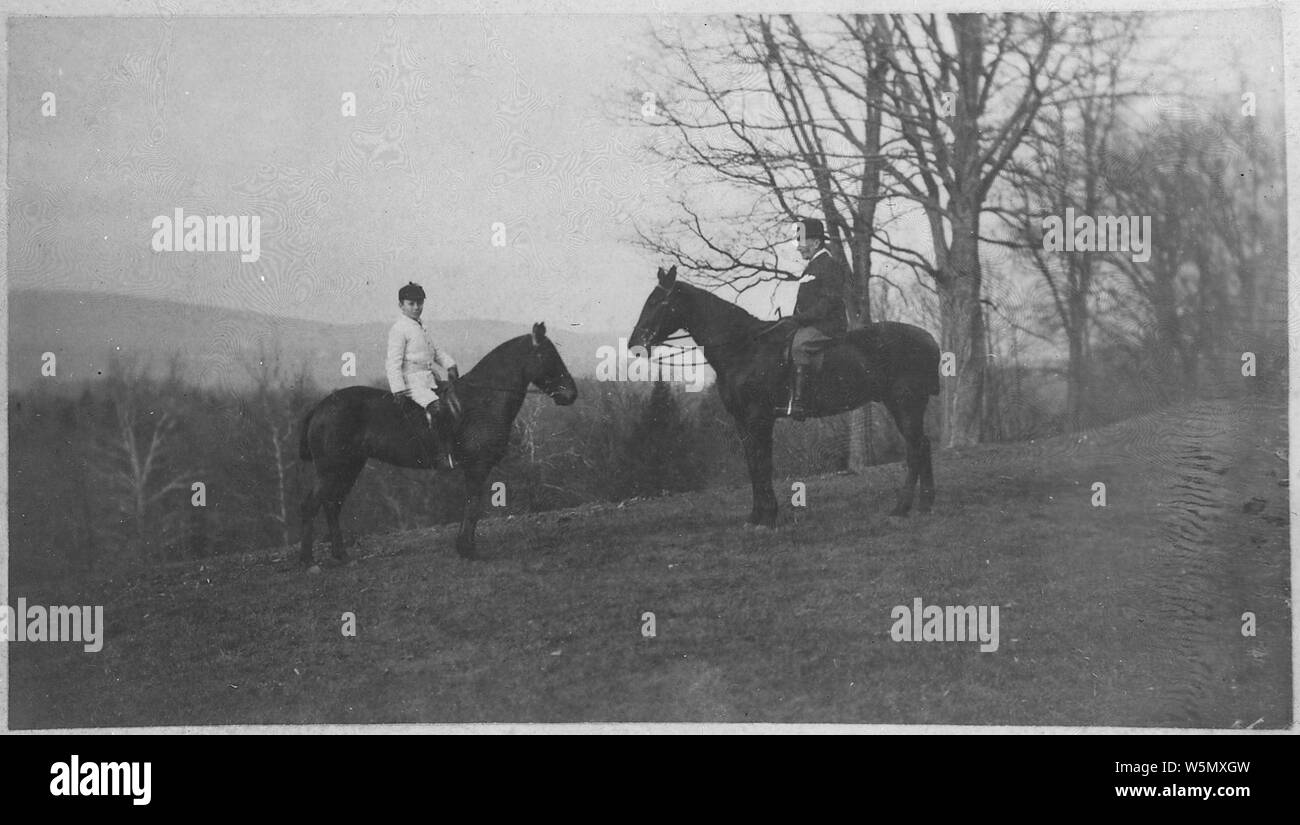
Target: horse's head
<point>662,314</point>
<point>545,369</point>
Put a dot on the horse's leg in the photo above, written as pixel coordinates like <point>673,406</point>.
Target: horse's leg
<point>756,438</point>
<point>310,505</point>
<point>341,478</point>
<point>911,427</point>
<point>475,482</point>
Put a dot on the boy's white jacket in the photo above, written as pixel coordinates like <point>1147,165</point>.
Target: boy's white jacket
<point>414,361</point>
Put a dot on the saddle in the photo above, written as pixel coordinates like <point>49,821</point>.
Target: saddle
<point>448,403</point>
<point>801,381</point>
<point>446,421</point>
<point>789,330</point>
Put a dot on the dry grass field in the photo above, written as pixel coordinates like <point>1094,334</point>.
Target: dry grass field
<point>1127,614</point>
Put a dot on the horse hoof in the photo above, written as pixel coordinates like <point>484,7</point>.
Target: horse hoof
<point>341,555</point>
<point>898,512</point>
<point>467,551</point>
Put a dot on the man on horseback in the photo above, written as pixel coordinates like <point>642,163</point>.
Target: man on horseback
<point>414,367</point>
<point>819,310</point>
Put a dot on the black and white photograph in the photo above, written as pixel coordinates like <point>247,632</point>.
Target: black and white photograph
<point>647,366</point>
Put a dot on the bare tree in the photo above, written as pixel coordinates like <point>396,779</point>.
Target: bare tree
<point>138,460</point>
<point>966,89</point>
<point>831,117</point>
<point>548,452</point>
<point>279,401</point>
<point>1066,166</point>
<point>1165,181</point>
<point>790,116</point>
<point>1201,289</point>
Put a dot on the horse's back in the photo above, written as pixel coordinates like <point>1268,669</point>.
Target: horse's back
<point>903,354</point>
<point>358,394</point>
<point>336,426</point>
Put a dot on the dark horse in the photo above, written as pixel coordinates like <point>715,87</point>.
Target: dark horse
<point>358,423</point>
<point>896,364</point>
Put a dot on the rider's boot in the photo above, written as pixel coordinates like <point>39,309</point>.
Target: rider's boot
<point>443,436</point>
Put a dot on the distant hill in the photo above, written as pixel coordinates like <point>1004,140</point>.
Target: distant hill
<point>88,331</point>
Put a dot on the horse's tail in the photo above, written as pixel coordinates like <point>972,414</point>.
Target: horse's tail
<point>304,447</point>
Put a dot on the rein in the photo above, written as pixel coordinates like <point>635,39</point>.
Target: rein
<point>660,359</point>
<point>492,388</point>
<point>669,291</point>
<point>767,329</point>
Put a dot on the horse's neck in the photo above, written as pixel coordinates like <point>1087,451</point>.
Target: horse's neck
<point>502,368</point>
<point>720,327</point>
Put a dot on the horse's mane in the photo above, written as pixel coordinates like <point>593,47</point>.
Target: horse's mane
<point>734,314</point>
<point>499,353</point>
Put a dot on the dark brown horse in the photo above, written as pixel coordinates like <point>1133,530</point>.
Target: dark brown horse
<point>359,423</point>
<point>896,364</point>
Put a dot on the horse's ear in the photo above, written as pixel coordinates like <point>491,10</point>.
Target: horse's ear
<point>539,332</point>
<point>667,279</point>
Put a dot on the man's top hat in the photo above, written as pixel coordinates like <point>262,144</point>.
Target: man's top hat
<point>813,229</point>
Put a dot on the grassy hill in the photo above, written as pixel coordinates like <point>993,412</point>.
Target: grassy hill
<point>86,331</point>
<point>1127,614</point>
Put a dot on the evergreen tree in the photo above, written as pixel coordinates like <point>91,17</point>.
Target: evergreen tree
<point>659,455</point>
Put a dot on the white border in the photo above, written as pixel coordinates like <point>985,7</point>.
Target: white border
<point>224,8</point>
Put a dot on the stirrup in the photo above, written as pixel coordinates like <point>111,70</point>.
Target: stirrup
<point>786,410</point>
<point>796,409</point>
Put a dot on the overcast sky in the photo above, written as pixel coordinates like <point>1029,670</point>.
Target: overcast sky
<point>463,121</point>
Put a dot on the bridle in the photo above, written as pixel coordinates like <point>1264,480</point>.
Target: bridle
<point>657,321</point>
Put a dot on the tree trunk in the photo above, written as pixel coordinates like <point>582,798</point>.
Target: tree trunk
<point>861,443</point>
<point>963,332</point>
<point>1076,331</point>
<point>861,448</point>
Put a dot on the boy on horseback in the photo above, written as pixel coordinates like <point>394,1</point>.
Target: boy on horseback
<point>415,365</point>
<point>819,310</point>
